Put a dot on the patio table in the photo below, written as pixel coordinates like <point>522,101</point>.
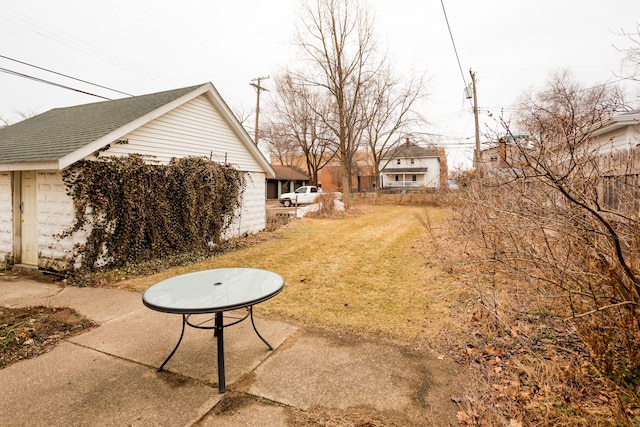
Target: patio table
<point>214,292</point>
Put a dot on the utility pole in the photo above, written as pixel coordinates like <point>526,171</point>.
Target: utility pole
<point>259,89</point>
<point>476,157</point>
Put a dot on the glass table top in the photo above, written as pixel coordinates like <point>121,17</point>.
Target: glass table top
<point>210,291</point>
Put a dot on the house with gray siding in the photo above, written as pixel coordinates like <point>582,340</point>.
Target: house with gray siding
<point>191,121</point>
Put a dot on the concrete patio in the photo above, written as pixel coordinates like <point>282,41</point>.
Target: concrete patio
<point>108,376</point>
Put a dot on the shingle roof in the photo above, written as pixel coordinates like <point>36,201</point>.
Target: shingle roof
<point>58,132</point>
<point>412,151</point>
<point>289,173</point>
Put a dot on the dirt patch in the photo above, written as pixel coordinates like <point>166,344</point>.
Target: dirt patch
<point>232,402</point>
<point>30,331</point>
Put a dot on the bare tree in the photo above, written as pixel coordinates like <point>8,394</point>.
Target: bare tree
<point>548,219</point>
<point>281,145</point>
<point>561,118</point>
<point>336,38</point>
<point>242,115</point>
<point>302,127</point>
<point>22,115</point>
<point>391,111</point>
<point>632,53</point>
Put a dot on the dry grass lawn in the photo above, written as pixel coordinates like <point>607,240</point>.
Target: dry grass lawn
<point>368,273</point>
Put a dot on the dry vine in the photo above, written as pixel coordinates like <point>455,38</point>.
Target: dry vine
<point>135,211</point>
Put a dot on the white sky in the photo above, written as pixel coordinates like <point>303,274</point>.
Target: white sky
<point>145,46</point>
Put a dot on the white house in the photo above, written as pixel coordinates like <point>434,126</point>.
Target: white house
<point>616,143</point>
<point>192,121</point>
<point>410,166</point>
<point>620,133</point>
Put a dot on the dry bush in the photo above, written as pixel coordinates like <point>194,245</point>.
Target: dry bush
<point>558,218</point>
<point>327,207</point>
<point>552,340</point>
<point>443,198</point>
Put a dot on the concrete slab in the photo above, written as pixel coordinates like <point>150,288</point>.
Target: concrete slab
<point>72,386</point>
<point>147,337</point>
<point>317,369</point>
<point>18,293</point>
<point>244,411</point>
<point>98,304</point>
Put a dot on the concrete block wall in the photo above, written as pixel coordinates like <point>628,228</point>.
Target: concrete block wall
<point>252,216</point>
<point>55,215</point>
<point>6,217</point>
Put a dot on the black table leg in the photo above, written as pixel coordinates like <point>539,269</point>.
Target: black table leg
<point>184,321</point>
<point>219,332</point>
<point>256,330</point>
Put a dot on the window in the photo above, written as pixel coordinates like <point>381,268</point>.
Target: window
<point>494,158</point>
<point>621,193</point>
<point>412,161</point>
<point>414,178</point>
<point>397,163</point>
<point>397,177</point>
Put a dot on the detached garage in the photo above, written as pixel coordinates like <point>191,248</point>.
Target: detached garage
<point>35,208</point>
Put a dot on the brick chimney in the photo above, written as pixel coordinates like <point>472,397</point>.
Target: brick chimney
<point>502,152</point>
<point>407,142</point>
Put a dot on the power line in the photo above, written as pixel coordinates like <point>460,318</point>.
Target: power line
<point>80,45</point>
<point>453,43</point>
<point>64,75</point>
<point>37,79</point>
<point>450,115</point>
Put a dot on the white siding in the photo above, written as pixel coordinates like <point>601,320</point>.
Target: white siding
<point>6,221</point>
<point>429,179</point>
<point>433,173</point>
<point>618,140</point>
<point>424,162</point>
<point>193,129</point>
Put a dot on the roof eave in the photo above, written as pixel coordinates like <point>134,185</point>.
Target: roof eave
<point>616,123</point>
<point>52,165</point>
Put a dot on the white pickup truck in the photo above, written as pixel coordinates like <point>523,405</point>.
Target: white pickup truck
<point>303,195</point>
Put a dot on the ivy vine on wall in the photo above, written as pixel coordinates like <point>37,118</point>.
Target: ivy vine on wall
<point>135,211</point>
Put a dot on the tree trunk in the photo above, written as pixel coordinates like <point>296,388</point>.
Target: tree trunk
<point>346,187</point>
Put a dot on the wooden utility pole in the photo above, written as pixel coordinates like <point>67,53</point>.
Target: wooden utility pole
<point>259,89</point>
<point>476,157</point>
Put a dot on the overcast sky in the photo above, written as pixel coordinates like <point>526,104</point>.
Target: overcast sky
<point>145,46</point>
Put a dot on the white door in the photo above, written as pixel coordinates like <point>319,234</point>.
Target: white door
<point>29,219</point>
